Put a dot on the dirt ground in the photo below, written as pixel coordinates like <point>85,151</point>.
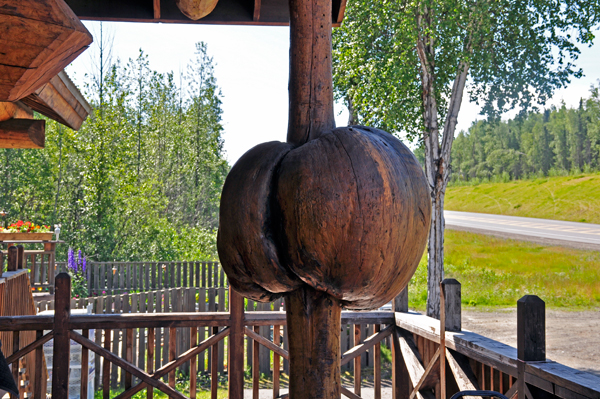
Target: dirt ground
<point>572,338</point>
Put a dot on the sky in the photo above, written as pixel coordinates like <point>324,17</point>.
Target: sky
<point>251,68</point>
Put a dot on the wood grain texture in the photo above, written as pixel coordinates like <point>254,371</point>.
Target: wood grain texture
<point>246,241</point>
<point>59,99</point>
<point>196,9</point>
<point>314,344</point>
<point>62,346</point>
<point>355,215</point>
<point>15,110</point>
<point>311,84</point>
<point>346,213</point>
<point>39,39</point>
<point>22,133</point>
<point>235,362</point>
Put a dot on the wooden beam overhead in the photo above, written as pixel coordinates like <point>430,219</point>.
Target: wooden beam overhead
<point>196,9</point>
<point>22,133</point>
<point>341,11</point>
<point>156,9</point>
<point>59,99</point>
<point>41,38</point>
<point>256,16</point>
<point>18,110</point>
<point>226,12</point>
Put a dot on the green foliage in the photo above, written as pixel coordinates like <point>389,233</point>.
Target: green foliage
<point>141,180</point>
<point>555,142</point>
<point>517,54</point>
<point>386,354</point>
<point>497,272</point>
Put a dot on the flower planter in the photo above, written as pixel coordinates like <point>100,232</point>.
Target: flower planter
<point>26,236</point>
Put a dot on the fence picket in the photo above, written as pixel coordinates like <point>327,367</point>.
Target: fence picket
<point>201,330</point>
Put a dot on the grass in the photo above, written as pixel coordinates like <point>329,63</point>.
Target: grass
<point>571,198</point>
<point>497,272</point>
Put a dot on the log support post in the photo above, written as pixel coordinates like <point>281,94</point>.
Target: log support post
<point>531,337</point>
<point>236,345</point>
<point>314,319</point>
<point>311,82</point>
<point>62,345</point>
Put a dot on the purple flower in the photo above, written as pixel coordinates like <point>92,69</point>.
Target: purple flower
<point>71,264</point>
<point>84,265</point>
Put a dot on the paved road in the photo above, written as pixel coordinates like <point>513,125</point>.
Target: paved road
<point>543,231</point>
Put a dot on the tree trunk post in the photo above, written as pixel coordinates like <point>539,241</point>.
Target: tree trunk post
<point>311,81</point>
<point>62,345</point>
<point>314,322</point>
<point>435,256</point>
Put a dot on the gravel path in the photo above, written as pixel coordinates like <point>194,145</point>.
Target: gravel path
<point>572,338</point>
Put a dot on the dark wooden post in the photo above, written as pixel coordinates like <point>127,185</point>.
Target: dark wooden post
<point>531,329</point>
<point>400,303</point>
<point>531,336</point>
<point>236,345</point>
<point>1,261</point>
<point>61,352</point>
<point>12,259</point>
<point>20,256</point>
<point>452,297</point>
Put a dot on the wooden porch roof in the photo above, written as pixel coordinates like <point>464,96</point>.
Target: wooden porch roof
<point>227,12</point>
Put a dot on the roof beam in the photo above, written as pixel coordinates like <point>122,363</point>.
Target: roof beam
<point>22,133</point>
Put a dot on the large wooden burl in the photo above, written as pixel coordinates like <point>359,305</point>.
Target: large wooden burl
<point>339,221</point>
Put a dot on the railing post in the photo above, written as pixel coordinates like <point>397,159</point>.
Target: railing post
<point>1,261</point>
<point>20,256</point>
<point>61,353</point>
<point>531,336</point>
<point>12,259</point>
<point>400,377</point>
<point>236,345</point>
<point>452,297</point>
<point>400,303</point>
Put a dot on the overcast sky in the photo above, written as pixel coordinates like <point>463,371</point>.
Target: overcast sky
<point>252,72</point>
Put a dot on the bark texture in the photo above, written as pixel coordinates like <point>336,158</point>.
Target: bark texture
<point>314,325</point>
<point>347,214</point>
<point>437,154</point>
<point>311,82</point>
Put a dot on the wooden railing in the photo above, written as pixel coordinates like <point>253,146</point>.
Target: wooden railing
<point>41,263</point>
<point>473,361</point>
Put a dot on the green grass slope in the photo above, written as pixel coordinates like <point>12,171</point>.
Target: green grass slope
<point>571,198</point>
<point>497,272</point>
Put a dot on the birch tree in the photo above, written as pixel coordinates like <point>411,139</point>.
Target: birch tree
<point>403,65</point>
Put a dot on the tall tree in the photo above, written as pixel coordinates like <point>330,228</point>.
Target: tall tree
<point>404,65</point>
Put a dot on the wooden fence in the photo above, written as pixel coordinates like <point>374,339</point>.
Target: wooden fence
<point>421,347</point>
<point>109,278</point>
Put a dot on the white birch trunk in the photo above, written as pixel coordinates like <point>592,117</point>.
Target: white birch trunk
<point>437,158</point>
